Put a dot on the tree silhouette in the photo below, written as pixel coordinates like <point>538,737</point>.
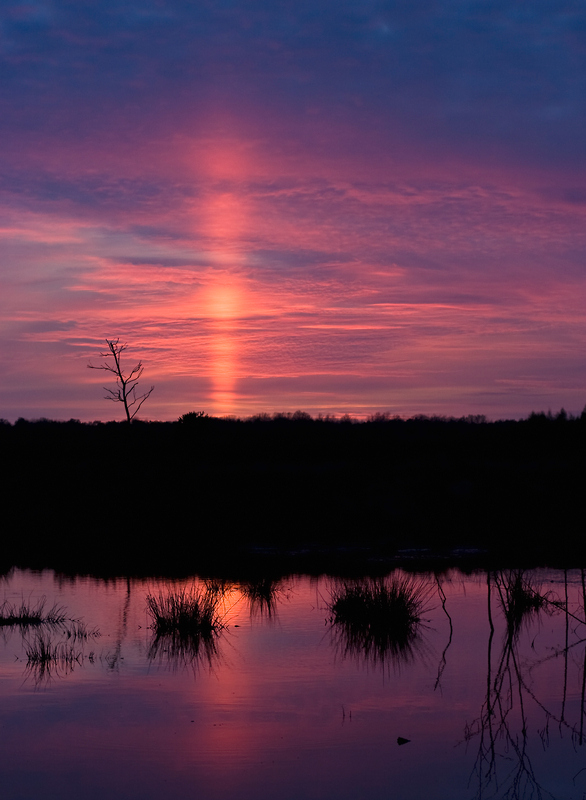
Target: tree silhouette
<point>125,391</point>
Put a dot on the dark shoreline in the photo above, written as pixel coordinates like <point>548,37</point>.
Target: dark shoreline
<point>161,497</point>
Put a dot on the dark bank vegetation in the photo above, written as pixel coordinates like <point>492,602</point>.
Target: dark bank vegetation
<point>158,497</point>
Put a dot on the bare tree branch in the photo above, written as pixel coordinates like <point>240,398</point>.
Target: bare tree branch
<point>126,385</point>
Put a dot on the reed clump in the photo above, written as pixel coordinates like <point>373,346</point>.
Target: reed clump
<point>31,615</point>
<point>379,618</point>
<point>186,625</point>
<point>186,612</point>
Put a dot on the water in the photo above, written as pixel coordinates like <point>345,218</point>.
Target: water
<point>282,707</point>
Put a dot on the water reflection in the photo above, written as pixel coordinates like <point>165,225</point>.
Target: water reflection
<point>443,660</point>
<point>180,650</point>
<point>507,648</point>
<point>47,659</point>
<point>503,761</point>
<point>114,658</point>
<point>54,650</point>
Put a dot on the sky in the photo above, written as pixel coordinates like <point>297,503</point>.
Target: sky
<point>333,206</point>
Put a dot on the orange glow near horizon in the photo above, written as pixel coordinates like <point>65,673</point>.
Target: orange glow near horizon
<point>224,305</point>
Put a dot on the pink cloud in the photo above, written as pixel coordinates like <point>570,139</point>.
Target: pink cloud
<point>250,279</point>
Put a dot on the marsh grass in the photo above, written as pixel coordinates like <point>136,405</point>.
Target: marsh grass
<point>186,624</point>
<point>185,612</point>
<point>28,615</point>
<point>379,619</point>
<point>262,595</point>
<point>56,644</point>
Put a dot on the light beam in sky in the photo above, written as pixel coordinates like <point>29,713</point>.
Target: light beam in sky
<point>224,304</point>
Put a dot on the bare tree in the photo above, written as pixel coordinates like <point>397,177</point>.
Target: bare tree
<point>125,391</point>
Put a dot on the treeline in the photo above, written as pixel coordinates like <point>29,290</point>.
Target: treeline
<point>152,494</point>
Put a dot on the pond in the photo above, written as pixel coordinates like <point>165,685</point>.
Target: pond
<point>480,693</point>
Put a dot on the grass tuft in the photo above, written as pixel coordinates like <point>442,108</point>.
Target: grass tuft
<point>185,612</point>
<point>187,623</point>
<point>28,615</point>
<point>379,618</point>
